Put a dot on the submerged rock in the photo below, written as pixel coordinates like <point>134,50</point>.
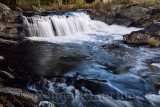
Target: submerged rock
<point>113,45</point>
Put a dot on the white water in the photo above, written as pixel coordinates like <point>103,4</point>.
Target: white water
<point>71,27</point>
<point>77,98</point>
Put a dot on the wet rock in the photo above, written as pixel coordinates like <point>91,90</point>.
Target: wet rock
<point>21,95</point>
<point>143,37</point>
<point>139,37</point>
<point>4,41</point>
<point>154,27</point>
<point>1,58</point>
<point>6,75</point>
<point>113,45</point>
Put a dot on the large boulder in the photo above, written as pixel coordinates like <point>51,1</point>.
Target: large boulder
<point>151,36</point>
<point>139,37</point>
<point>135,12</point>
<point>128,15</point>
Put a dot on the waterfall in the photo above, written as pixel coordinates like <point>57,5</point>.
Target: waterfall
<point>58,25</point>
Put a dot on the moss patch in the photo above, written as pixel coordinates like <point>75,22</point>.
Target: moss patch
<point>153,42</point>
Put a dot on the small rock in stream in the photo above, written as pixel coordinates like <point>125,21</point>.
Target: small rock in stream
<point>1,58</point>
<point>113,45</point>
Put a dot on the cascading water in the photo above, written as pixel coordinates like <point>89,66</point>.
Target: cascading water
<point>58,25</point>
<point>79,61</point>
<point>67,24</point>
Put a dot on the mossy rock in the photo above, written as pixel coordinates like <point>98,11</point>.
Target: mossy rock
<point>153,42</point>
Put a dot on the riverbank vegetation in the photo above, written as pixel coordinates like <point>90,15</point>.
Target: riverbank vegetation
<point>71,5</point>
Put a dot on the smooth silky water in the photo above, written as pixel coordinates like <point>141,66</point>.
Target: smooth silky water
<point>79,66</point>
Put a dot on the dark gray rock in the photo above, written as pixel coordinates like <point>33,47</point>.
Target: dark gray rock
<point>132,15</point>
<point>21,95</point>
<point>154,10</point>
<point>135,12</point>
<point>113,45</point>
<point>154,26</point>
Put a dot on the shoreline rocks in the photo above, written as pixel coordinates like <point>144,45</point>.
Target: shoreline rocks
<point>132,15</point>
<point>150,35</point>
<point>11,25</point>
